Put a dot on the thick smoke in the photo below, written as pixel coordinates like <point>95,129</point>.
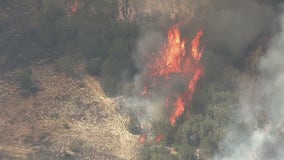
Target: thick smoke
<point>164,14</point>
<point>261,111</point>
<point>234,25</point>
<point>148,44</point>
<point>233,28</point>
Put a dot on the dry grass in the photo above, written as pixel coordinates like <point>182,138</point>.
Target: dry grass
<point>66,119</point>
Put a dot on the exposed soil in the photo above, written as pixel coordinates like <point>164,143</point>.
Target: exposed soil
<point>66,119</point>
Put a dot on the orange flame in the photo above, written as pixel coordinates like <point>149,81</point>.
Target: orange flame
<point>159,138</point>
<point>195,43</point>
<point>192,84</point>
<point>72,8</point>
<point>172,56</point>
<point>179,104</point>
<point>142,138</point>
<point>146,91</point>
<point>174,59</point>
<point>198,72</point>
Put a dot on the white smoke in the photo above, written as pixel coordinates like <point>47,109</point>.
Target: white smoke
<point>149,43</point>
<point>260,98</point>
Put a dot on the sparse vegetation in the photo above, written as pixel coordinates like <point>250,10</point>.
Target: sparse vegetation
<point>26,81</point>
<point>66,64</point>
<point>66,125</point>
<point>94,66</point>
<point>77,146</point>
<point>157,153</point>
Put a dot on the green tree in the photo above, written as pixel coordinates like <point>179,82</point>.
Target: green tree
<point>185,152</point>
<point>157,153</point>
<point>198,137</point>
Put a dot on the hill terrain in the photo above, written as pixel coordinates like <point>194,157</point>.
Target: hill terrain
<point>66,119</point>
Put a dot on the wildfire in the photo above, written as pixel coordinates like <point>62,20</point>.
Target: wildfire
<point>159,138</point>
<point>74,7</point>
<point>171,60</point>
<point>179,109</point>
<point>192,84</point>
<point>142,138</point>
<point>195,43</point>
<point>146,91</point>
<point>174,59</point>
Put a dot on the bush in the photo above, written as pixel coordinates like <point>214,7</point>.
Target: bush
<point>94,66</point>
<point>156,153</point>
<point>114,70</point>
<point>133,125</point>
<point>77,146</point>
<point>26,81</point>
<point>186,152</point>
<point>66,63</point>
<point>109,85</point>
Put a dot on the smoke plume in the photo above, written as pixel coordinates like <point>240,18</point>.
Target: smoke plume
<point>261,111</point>
<point>232,31</point>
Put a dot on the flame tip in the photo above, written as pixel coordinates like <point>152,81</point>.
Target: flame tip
<point>175,59</point>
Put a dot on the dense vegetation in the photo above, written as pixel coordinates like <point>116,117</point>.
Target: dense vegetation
<point>48,31</point>
<point>198,136</point>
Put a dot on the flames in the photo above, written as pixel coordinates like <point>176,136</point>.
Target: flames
<point>176,59</point>
<point>72,8</point>
<point>195,45</point>
<point>142,138</point>
<point>172,56</point>
<point>159,138</point>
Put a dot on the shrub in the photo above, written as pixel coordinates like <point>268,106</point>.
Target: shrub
<point>66,125</point>
<point>186,152</point>
<point>109,85</point>
<point>94,66</point>
<point>66,63</point>
<point>150,152</point>
<point>114,70</point>
<point>77,146</point>
<point>133,125</point>
<point>26,81</point>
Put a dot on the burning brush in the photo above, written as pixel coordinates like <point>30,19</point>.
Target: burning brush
<point>176,61</point>
<point>72,8</point>
<point>170,82</point>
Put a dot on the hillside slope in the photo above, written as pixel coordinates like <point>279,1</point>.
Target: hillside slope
<point>66,119</point>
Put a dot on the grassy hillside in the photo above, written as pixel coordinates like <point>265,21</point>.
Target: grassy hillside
<point>65,119</point>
